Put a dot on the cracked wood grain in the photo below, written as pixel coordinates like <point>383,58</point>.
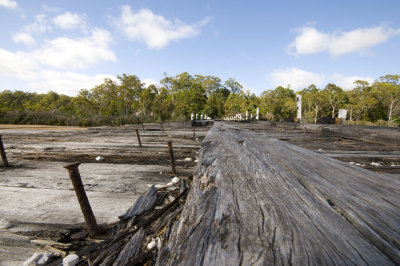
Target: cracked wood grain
<point>256,200</point>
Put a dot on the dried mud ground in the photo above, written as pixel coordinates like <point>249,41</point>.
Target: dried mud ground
<point>37,196</point>
<point>38,200</point>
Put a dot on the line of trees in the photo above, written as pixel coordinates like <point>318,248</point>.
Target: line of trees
<point>128,100</point>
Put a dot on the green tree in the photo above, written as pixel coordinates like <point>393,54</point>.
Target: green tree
<point>361,100</point>
<point>129,94</point>
<point>232,85</point>
<point>387,90</point>
<point>335,97</point>
<point>279,102</point>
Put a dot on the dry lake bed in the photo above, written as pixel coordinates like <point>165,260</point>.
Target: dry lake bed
<point>37,197</point>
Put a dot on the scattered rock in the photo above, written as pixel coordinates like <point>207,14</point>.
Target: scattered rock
<point>99,158</point>
<point>45,258</point>
<point>175,180</point>
<point>152,244</point>
<point>38,259</point>
<point>188,159</point>
<point>351,162</point>
<point>171,198</point>
<point>375,164</point>
<point>71,260</point>
<point>4,224</point>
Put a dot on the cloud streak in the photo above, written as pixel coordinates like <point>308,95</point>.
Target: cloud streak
<point>79,53</point>
<point>24,38</point>
<point>299,79</point>
<point>69,21</point>
<point>155,30</point>
<point>10,4</point>
<point>312,41</point>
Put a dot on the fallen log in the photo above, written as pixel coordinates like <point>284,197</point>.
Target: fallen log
<point>257,200</point>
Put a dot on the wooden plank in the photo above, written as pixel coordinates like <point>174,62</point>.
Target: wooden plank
<point>257,200</point>
<point>131,249</point>
<point>143,204</point>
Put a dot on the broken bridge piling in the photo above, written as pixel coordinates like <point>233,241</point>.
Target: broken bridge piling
<point>87,212</point>
<point>171,157</point>
<point>3,154</point>
<point>138,137</point>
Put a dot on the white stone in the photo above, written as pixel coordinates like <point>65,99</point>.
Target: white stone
<point>32,260</point>
<point>375,164</point>
<point>71,260</point>
<point>351,162</point>
<point>4,224</point>
<point>158,240</point>
<point>175,180</point>
<point>45,258</point>
<point>152,244</point>
<point>188,159</point>
<point>38,259</point>
<point>171,198</point>
<point>99,158</point>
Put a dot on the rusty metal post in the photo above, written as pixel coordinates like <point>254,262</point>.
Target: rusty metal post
<point>3,154</point>
<point>162,127</point>
<point>138,137</point>
<point>87,212</point>
<point>194,132</point>
<point>171,157</point>
<point>143,127</point>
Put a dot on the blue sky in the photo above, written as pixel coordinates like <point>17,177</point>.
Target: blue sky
<point>66,46</point>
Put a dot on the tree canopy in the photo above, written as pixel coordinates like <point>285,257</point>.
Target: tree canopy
<point>128,100</point>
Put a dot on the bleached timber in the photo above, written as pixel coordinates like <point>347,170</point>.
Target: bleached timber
<point>258,200</point>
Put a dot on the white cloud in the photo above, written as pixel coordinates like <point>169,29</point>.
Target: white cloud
<point>52,66</point>
<point>347,83</point>
<point>299,79</point>
<point>16,64</point>
<point>65,82</point>
<point>40,25</point>
<point>68,53</point>
<point>10,4</point>
<point>296,78</point>
<point>68,83</point>
<point>69,21</point>
<point>148,82</point>
<point>311,41</point>
<point>153,29</point>
<point>24,38</point>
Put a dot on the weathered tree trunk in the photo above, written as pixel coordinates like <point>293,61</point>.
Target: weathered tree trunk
<point>256,200</point>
